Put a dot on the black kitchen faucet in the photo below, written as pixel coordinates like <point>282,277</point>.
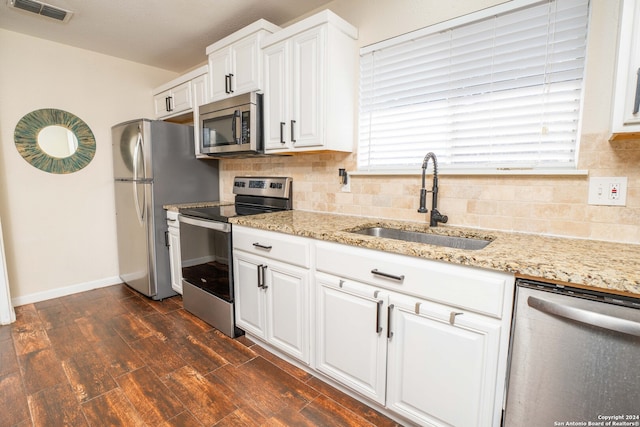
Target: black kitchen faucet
<point>436,216</point>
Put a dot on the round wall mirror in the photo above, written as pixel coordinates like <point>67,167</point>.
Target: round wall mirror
<point>55,141</point>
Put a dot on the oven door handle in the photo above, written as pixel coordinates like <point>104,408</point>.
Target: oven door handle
<point>213,225</point>
<point>585,316</point>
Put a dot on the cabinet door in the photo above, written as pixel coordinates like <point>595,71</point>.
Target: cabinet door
<point>287,310</point>
<point>199,86</point>
<point>249,296</point>
<point>219,69</point>
<point>442,374</point>
<point>175,264</point>
<point>308,79</point>
<point>276,97</point>
<point>181,99</point>
<point>246,57</point>
<point>161,103</point>
<point>173,101</point>
<point>351,340</point>
<point>628,71</point>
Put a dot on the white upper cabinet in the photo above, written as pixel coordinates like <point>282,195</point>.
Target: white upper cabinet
<point>235,62</point>
<point>172,101</point>
<point>199,87</point>
<point>626,102</point>
<point>177,96</point>
<point>309,85</point>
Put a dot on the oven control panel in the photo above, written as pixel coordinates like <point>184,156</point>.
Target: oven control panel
<point>262,186</point>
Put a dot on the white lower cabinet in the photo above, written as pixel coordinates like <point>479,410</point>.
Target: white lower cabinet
<point>175,263</point>
<point>432,364</point>
<point>425,340</point>
<point>272,298</point>
<point>443,364</point>
<point>351,341</point>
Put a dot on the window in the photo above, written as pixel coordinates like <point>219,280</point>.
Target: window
<point>500,88</point>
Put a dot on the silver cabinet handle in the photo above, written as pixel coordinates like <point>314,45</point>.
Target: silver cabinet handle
<point>585,316</point>
<point>264,285</point>
<point>261,269</point>
<point>378,309</point>
<point>377,272</point>
<point>293,139</point>
<point>261,246</point>
<point>389,311</point>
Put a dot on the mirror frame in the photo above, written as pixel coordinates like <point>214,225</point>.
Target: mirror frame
<point>26,140</point>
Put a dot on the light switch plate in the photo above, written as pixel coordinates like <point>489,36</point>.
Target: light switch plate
<point>608,191</point>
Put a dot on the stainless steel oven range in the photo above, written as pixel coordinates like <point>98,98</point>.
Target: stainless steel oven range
<point>205,246</point>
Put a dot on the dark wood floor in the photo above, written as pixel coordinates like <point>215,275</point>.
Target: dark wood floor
<point>112,357</point>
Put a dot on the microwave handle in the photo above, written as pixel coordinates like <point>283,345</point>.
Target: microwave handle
<point>236,126</point>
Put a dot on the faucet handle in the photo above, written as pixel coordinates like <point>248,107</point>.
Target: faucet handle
<point>437,217</point>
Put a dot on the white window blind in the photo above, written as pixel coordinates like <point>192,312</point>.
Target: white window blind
<point>502,90</point>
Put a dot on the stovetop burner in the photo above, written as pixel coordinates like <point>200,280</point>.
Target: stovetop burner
<point>254,195</point>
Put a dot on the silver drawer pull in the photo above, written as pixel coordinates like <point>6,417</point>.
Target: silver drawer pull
<point>376,272</point>
<point>260,246</point>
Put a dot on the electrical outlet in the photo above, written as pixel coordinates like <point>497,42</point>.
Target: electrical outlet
<point>608,191</point>
<point>614,190</point>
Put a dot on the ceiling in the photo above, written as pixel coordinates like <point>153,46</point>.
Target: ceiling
<point>171,35</point>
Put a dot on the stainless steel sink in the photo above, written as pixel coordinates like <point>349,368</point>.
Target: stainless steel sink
<point>469,243</point>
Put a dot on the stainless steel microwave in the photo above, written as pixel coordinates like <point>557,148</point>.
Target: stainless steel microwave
<point>232,126</point>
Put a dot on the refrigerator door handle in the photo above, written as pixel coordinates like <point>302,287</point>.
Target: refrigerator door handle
<point>584,316</point>
<point>136,153</point>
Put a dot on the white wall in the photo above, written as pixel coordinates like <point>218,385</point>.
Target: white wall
<point>60,229</point>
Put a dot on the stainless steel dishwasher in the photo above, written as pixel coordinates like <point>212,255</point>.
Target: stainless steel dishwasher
<point>574,358</point>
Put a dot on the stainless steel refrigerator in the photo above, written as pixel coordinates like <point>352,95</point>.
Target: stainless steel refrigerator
<point>154,164</point>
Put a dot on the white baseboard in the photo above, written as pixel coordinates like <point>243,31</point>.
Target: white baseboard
<point>67,290</point>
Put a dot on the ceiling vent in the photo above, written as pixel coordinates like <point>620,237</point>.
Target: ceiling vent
<point>42,9</point>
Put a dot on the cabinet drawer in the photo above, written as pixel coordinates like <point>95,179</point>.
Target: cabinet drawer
<point>172,216</point>
<point>269,244</point>
<point>469,288</point>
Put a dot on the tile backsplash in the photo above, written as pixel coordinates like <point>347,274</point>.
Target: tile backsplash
<point>552,205</point>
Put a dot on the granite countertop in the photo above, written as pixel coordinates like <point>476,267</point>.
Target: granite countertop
<point>610,267</point>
